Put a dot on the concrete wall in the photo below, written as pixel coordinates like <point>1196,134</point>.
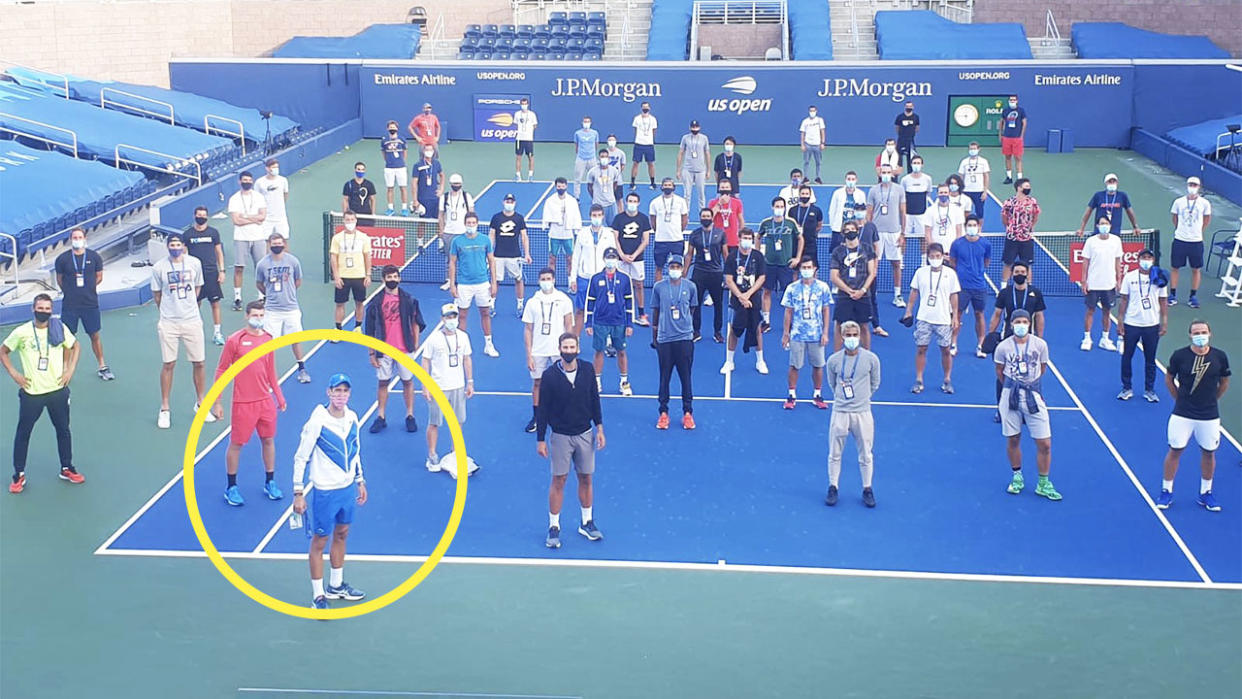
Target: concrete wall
<point>740,40</point>
<point>1221,20</point>
<point>132,41</point>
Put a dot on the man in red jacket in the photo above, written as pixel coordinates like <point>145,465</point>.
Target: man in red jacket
<point>253,410</point>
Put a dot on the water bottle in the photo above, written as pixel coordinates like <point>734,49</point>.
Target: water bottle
<point>295,521</point>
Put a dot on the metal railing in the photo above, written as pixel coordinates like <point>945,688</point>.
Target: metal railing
<point>117,160</point>
<point>1050,27</point>
<point>740,12</point>
<point>960,11</point>
<point>12,257</point>
<point>240,133</point>
<point>61,84</point>
<point>104,102</point>
<point>72,145</point>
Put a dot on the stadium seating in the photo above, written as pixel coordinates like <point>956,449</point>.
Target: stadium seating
<point>810,31</point>
<point>1119,40</point>
<point>565,36</point>
<point>670,30</point>
<point>376,41</point>
<point>925,35</point>
<point>1200,138</point>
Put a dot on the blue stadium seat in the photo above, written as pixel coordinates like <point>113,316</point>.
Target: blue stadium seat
<point>595,31</point>
<point>593,56</point>
<point>542,31</point>
<point>526,31</point>
<point>556,55</point>
<point>578,30</point>
<point>507,30</point>
<point>519,56</point>
<point>500,55</point>
<point>577,17</point>
<point>504,42</point>
<point>593,16</point>
<point>491,30</point>
<point>558,42</point>
<point>465,53</point>
<point>575,44</point>
<point>538,54</point>
<point>474,30</point>
<point>558,18</point>
<point>487,42</point>
<point>559,29</point>
<point>521,43</point>
<point>483,55</point>
<point>470,41</point>
<point>593,44</point>
<point>539,42</point>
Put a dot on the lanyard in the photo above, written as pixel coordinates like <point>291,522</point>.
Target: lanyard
<point>1140,284</point>
<point>1023,355</point>
<point>942,221</point>
<point>1014,291</point>
<point>805,212</point>
<point>744,267</point>
<point>611,281</point>
<point>853,371</point>
<point>545,310</point>
<point>706,239</point>
<point>939,275</point>
<point>81,271</point>
<point>38,346</point>
<point>728,163</point>
<point>349,243</point>
<point>456,343</point>
<point>808,294</point>
<point>888,192</point>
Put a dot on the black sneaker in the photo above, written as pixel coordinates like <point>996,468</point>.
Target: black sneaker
<point>411,425</point>
<point>237,304</point>
<point>719,338</point>
<point>831,499</point>
<point>697,337</point>
<point>530,426</point>
<point>765,326</point>
<point>1008,180</point>
<point>868,497</point>
<point>378,425</point>
<point>554,538</point>
<point>818,181</point>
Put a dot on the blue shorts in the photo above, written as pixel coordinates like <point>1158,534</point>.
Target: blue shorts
<point>642,153</point>
<point>601,333</point>
<point>332,507</point>
<point>88,316</point>
<point>972,297</point>
<point>1186,253</point>
<point>432,206</point>
<point>777,278</point>
<point>580,296</point>
<point>665,248</point>
<point>560,246</point>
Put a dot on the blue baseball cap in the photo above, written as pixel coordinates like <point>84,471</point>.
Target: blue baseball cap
<point>338,379</point>
<point>676,259</point>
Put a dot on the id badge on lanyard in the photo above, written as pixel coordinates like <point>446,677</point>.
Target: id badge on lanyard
<point>883,209</point>
<point>931,300</point>
<point>806,311</point>
<point>81,280</point>
<point>707,255</point>
<point>847,390</point>
<point>275,282</point>
<point>1022,367</point>
<point>453,359</point>
<point>853,271</point>
<point>1146,303</point>
<point>778,244</point>
<point>546,328</point>
<point>612,297</point>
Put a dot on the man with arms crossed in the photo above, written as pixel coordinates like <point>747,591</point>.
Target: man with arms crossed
<point>1197,378</point>
<point>248,210</point>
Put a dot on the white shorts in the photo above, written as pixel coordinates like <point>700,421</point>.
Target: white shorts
<point>915,226</point>
<point>388,367</point>
<point>541,365</point>
<point>277,323</point>
<point>1206,432</point>
<point>510,267</point>
<point>889,249</point>
<point>270,227</point>
<point>481,294</point>
<point>173,334</point>
<point>636,270</point>
<point>396,177</point>
<point>1011,420</point>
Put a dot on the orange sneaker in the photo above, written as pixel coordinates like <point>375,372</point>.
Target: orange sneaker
<point>687,421</point>
<point>72,476</point>
<point>19,485</point>
<point>662,423</point>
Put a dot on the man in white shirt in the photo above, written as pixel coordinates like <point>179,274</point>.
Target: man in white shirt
<point>175,281</point>
<point>1192,214</point>
<point>447,357</point>
<point>790,191</point>
<point>275,190</point>
<point>563,218</point>
<point>644,143</point>
<point>525,121</point>
<point>1144,313</point>
<point>547,316</point>
<point>248,210</point>
<point>849,203</point>
<point>943,223</point>
<point>937,287</point>
<point>812,135</point>
<point>588,260</point>
<point>1101,271</point>
<point>454,206</point>
<point>976,177</point>
<point>669,215</point>
<point>888,159</point>
<point>919,192</point>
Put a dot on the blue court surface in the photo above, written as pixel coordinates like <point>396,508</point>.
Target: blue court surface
<point>745,490</point>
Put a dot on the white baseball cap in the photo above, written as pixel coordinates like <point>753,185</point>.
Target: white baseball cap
<point>455,179</point>
<point>1192,180</point>
<point>1110,177</point>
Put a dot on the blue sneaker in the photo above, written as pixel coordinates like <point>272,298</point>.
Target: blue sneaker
<point>589,531</point>
<point>554,538</point>
<point>234,497</point>
<point>1165,500</point>
<point>319,603</point>
<point>389,212</point>
<point>345,592</point>
<point>1209,502</point>
<point>272,490</point>
<point>1194,301</point>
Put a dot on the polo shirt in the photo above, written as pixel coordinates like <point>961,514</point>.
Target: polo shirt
<point>30,344</point>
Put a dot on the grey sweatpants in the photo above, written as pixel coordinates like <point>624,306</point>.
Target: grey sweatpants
<point>862,427</point>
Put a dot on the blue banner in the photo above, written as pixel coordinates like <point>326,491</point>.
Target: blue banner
<point>493,116</point>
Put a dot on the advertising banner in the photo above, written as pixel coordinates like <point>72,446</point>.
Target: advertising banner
<point>1129,259</point>
<point>387,245</point>
<point>493,117</point>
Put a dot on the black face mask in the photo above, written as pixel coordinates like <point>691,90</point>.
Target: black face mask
<point>804,200</point>
<point>851,235</point>
<point>706,223</point>
<point>1026,191</point>
<point>42,316</point>
<point>667,190</point>
<point>392,131</point>
<point>560,191</point>
<point>909,111</point>
<point>246,186</point>
<point>1019,279</point>
<point>646,110</point>
<point>391,283</point>
<point>200,220</point>
<point>456,187</point>
<point>277,249</point>
<point>568,357</point>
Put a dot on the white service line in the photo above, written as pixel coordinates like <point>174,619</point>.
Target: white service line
<point>399,693</point>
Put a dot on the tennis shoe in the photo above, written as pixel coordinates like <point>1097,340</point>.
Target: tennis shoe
<point>445,286</point>
<point>1085,346</point>
<point>554,538</point>
<point>1016,484</point>
<point>209,417</point>
<point>68,474</point>
<point>761,367</point>
<point>662,423</point>
<point>1193,302</point>
<point>708,301</point>
<point>237,306</point>
<point>304,376</point>
<point>1172,301</point>
<point>953,350</point>
<point>790,403</point>
<point>1208,501</point>
<point>344,591</point>
<point>819,402</point>
<point>320,602</point>
<point>831,499</point>
<point>590,531</point>
<point>1107,345</point>
<point>490,351</point>
<point>217,338</point>
<point>234,497</point>
<point>106,374</point>
<point>687,422</point>
<point>389,211</point>
<point>947,388</point>
<point>980,353</point>
<point>433,466</point>
<point>164,421</point>
<point>726,368</point>
<point>643,320</point>
<point>411,424</point>
<point>272,490</point>
<point>18,485</point>
<point>899,302</point>
<point>1165,499</point>
<point>868,497</point>
<point>1045,489</point>
<point>1126,394</point>
<point>626,389</point>
<point>530,426</point>
<point>378,424</point>
<point>1151,397</point>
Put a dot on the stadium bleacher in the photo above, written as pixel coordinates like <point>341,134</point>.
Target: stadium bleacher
<point>376,41</point>
<point>670,30</point>
<point>810,31</point>
<point>1119,40</point>
<point>565,36</point>
<point>918,35</point>
<point>1201,138</point>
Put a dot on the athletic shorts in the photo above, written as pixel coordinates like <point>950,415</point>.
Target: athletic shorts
<point>1205,432</point>
<point>777,278</point>
<point>745,319</point>
<point>277,323</point>
<point>1186,253</point>
<point>270,227</point>
<point>643,153</point>
<point>89,317</point>
<point>389,367</point>
<point>636,270</point>
<point>250,417</point>
<point>1018,251</point>
<point>396,177</point>
<point>1012,420</point>
<point>1101,299</point>
<point>524,147</point>
<point>580,296</point>
<point>480,294</point>
<point>457,401</point>
<point>332,507</point>
<point>541,365</point>
<point>972,297</point>
<point>571,451</point>
<point>602,333</point>
<point>431,207</point>
<point>1011,146</point>
<point>173,334</point>
<point>889,249</point>
<point>915,227</point>
<point>560,246</point>
<point>665,248</point>
<point>802,352</point>
<point>510,267</point>
<point>848,309</point>
<point>923,332</point>
<point>358,287</point>
<point>254,249</point>
<point>210,289</point>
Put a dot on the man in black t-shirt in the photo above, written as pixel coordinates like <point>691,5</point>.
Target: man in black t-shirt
<point>1197,378</point>
<point>358,194</point>
<point>203,243</point>
<point>633,235</point>
<point>510,247</point>
<point>78,273</point>
<point>1017,295</point>
<point>744,273</point>
<point>907,126</point>
<point>810,219</point>
<point>852,275</point>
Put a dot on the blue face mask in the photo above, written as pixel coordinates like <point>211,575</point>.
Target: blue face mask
<point>1200,340</point>
<point>360,173</point>
<point>175,252</point>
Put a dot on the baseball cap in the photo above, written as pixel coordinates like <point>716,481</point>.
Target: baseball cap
<point>1192,180</point>
<point>454,178</point>
<point>426,105</point>
<point>1020,314</point>
<point>338,379</point>
<point>611,253</point>
<point>676,260</point>
<point>510,197</point>
<point>448,309</point>
<point>173,236</point>
<point>1110,177</point>
<point>694,123</point>
<point>1147,252</point>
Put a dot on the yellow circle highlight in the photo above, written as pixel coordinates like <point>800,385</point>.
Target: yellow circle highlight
<point>191,500</point>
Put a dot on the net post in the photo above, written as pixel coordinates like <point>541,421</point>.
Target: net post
<point>327,245</point>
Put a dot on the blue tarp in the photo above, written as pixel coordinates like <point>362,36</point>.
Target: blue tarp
<point>1119,40</point>
<point>100,131</point>
<point>810,30</point>
<point>188,110</point>
<point>670,30</point>
<point>917,35</point>
<point>1201,138</point>
<point>34,195</point>
<point>376,41</point>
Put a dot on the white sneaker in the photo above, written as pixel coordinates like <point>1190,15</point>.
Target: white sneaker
<point>1107,344</point>
<point>979,352</point>
<point>445,286</point>
<point>626,389</point>
<point>761,367</point>
<point>165,420</point>
<point>899,302</point>
<point>728,367</point>
<point>433,466</point>
<point>1086,344</point>
<point>707,301</point>
<point>209,417</point>
<point>490,351</point>
<point>953,350</point>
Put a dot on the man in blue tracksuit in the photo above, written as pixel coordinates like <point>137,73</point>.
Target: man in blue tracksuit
<point>610,316</point>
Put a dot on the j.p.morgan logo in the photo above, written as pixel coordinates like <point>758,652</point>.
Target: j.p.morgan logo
<point>866,87</point>
<point>594,87</point>
<point>742,85</point>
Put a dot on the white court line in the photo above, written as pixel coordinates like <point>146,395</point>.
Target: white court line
<point>719,567</point>
<point>398,693</point>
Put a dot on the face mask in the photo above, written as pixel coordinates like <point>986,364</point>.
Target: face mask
<point>350,226</point>
<point>935,262</point>
<point>778,211</point>
<point>276,171</point>
<point>1020,329</point>
<point>456,187</point>
<point>971,231</point>
<point>1110,187</point>
<point>360,173</point>
<point>525,107</point>
<point>890,149</point>
<point>917,167</point>
<point>631,207</point>
<point>953,188</point>
<point>851,235</point>
<point>747,245</point>
<point>807,273</point>
<point>728,147</point>
<point>596,221</point>
<point>1013,103</point>
<point>391,283</point>
<point>472,230</point>
<point>509,207</point>
<point>610,263</point>
<point>795,180</point>
<point>850,184</point>
<point>909,110</point>
<point>805,200</point>
<point>646,110</point>
<point>942,198</point>
<point>724,196</point>
<point>450,323</point>
<point>547,285</point>
<point>1144,265</point>
<point>603,162</point>
<point>568,357</point>
<point>974,152</point>
<point>812,113</point>
<point>1026,191</point>
<point>175,252</point>
<point>674,274</point>
<point>338,401</point>
<point>694,131</point>
<point>392,132</point>
<point>277,249</point>
<point>586,124</point>
<point>42,316</point>
<point>851,342</point>
<point>1103,229</point>
<point>1019,279</point>
<point>429,154</point>
<point>667,190</point>
<point>886,176</point>
<point>200,220</point>
<point>254,322</point>
<point>706,223</point>
<point>1192,191</point>
<point>612,143</point>
<point>78,244</point>
<point>560,192</point>
<point>1200,340</point>
<point>246,186</point>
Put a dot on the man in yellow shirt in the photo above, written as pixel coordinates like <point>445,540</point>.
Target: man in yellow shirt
<point>350,258</point>
<point>49,356</point>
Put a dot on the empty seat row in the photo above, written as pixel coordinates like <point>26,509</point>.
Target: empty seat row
<point>531,31</point>
<point>523,44</point>
<point>467,53</point>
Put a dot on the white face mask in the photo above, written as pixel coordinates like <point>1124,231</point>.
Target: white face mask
<point>1200,339</point>
<point>78,244</point>
<point>851,342</point>
<point>429,154</point>
<point>631,206</point>
<point>972,231</point>
<point>778,211</point>
<point>596,221</point>
<point>255,322</point>
<point>274,171</point>
<point>728,147</point>
<point>1192,190</point>
<point>812,113</point>
<point>1020,329</point>
<point>890,148</point>
<point>612,143</point>
<point>674,274</point>
<point>350,225</point>
<point>1013,103</point>
<point>509,207</point>
<point>586,124</point>
<point>850,184</point>
<point>525,107</point>
<point>547,285</point>
<point>450,323</point>
<point>886,176</point>
<point>611,263</point>
<point>1103,229</point>
<point>747,245</point>
<point>917,167</point>
<point>1110,187</point>
<point>807,273</point>
<point>973,152</point>
<point>603,162</point>
<point>935,262</point>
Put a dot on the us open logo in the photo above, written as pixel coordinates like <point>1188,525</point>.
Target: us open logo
<point>742,85</point>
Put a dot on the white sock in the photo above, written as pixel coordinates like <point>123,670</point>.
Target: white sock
<point>530,173</point>
<point>554,520</point>
<point>766,317</point>
<point>1086,335</point>
<point>336,576</point>
<point>518,174</point>
<point>1166,485</point>
<point>793,393</point>
<point>487,339</point>
<point>586,515</point>
<point>237,294</point>
<point>625,378</point>
<point>1205,485</point>
<point>316,587</point>
<point>216,327</point>
<point>599,384</point>
<point>1019,174</point>
<point>1009,173</point>
<point>834,472</point>
<point>897,289</point>
<point>758,356</point>
<point>729,355</point>
<point>818,393</point>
